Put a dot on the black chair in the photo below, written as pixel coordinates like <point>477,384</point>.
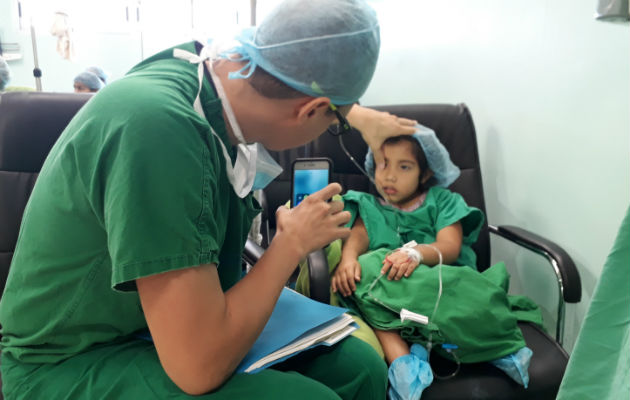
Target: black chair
<point>30,123</point>
<point>454,126</point>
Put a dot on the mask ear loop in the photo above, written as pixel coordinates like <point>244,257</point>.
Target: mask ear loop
<point>225,102</point>
<point>245,153</point>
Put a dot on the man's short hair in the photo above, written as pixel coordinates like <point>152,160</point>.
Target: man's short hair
<point>271,87</point>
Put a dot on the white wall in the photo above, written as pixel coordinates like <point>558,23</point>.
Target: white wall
<point>114,52</point>
<point>103,38</point>
<point>548,88</point>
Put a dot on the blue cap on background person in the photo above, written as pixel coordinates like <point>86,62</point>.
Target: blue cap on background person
<point>323,48</point>
<point>98,71</point>
<point>5,74</point>
<point>87,82</point>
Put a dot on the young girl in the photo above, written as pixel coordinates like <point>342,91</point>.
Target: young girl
<point>386,265</point>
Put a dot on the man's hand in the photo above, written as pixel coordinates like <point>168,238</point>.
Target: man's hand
<point>315,222</point>
<point>348,271</point>
<point>377,126</point>
<point>398,264</point>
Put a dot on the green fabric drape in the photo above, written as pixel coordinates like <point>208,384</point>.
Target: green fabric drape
<point>599,367</point>
<point>474,310</point>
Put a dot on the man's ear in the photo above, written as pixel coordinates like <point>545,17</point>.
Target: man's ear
<point>426,175</point>
<point>309,108</point>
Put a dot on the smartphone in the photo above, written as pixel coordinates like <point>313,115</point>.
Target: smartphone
<point>308,175</point>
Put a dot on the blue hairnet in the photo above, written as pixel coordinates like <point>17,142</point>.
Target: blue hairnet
<point>444,171</point>
<point>5,73</point>
<point>90,80</point>
<point>98,72</point>
<point>320,48</point>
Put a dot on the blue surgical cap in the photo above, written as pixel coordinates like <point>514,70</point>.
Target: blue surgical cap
<point>98,71</point>
<point>444,171</point>
<point>320,48</point>
<point>90,80</point>
<point>5,73</point>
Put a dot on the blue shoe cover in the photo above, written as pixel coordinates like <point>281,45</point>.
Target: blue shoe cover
<point>515,365</point>
<point>419,351</point>
<point>408,377</point>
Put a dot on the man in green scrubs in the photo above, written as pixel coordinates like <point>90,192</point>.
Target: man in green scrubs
<point>142,208</point>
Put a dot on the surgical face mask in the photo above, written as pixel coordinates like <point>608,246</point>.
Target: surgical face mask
<point>254,168</point>
<point>267,169</point>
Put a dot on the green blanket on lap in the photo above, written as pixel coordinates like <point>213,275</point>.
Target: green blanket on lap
<point>475,312</point>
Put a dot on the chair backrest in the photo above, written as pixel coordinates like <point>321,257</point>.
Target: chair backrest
<point>454,127</point>
<point>30,123</point>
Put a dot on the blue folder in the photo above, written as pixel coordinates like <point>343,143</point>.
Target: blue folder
<point>293,315</point>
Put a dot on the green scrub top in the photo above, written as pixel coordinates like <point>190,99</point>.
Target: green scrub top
<point>134,186</point>
<point>389,227</point>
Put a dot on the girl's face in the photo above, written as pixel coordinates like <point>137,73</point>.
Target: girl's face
<point>398,181</point>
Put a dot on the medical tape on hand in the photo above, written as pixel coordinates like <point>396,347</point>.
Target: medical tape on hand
<point>412,253</point>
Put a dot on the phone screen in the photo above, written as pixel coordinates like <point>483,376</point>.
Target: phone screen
<point>308,178</point>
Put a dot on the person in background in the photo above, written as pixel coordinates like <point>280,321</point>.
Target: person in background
<point>5,74</point>
<point>87,82</point>
<point>98,71</point>
<point>140,214</point>
<point>5,77</point>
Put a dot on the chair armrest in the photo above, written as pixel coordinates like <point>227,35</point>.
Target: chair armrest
<point>318,276</point>
<point>252,252</point>
<point>564,267</point>
<point>567,275</point>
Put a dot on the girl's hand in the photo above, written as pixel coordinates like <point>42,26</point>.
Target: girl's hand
<point>314,223</point>
<point>348,271</point>
<point>398,264</point>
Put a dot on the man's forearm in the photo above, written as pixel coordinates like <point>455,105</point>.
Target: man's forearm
<point>202,333</point>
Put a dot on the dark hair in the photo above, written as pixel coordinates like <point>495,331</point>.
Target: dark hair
<point>271,87</point>
<point>420,157</point>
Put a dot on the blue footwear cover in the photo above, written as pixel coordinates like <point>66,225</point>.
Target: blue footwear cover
<point>419,351</point>
<point>515,365</point>
<point>408,377</point>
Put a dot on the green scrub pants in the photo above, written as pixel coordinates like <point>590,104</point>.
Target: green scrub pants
<point>131,370</point>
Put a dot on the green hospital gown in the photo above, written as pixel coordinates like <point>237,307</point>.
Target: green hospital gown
<point>474,311</point>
